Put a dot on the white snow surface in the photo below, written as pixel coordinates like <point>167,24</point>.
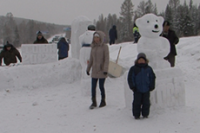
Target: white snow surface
<point>47,98</point>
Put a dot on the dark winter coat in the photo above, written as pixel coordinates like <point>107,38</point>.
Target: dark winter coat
<point>63,48</point>
<point>40,41</point>
<point>173,39</point>
<point>141,78</point>
<point>99,58</point>
<point>113,33</point>
<point>136,33</point>
<point>9,56</point>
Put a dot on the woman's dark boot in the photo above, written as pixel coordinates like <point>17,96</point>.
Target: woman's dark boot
<point>94,103</point>
<point>103,103</point>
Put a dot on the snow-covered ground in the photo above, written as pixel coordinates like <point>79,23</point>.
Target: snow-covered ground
<point>47,98</point>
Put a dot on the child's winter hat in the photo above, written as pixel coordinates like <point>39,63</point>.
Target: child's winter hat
<point>39,33</point>
<point>8,44</point>
<point>141,55</point>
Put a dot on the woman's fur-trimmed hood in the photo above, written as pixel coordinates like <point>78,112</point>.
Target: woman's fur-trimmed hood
<point>102,38</point>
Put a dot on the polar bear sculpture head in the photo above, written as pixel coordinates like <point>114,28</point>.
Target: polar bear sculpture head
<point>150,25</point>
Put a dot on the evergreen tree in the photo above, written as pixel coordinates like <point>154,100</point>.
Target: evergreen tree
<point>126,16</point>
<point>141,9</point>
<point>31,31</point>
<point>185,21</point>
<point>110,21</point>
<point>168,14</point>
<point>2,24</point>
<point>174,16</point>
<point>16,41</point>
<point>155,10</point>
<point>146,7</point>
<point>9,28</point>
<point>198,23</point>
<point>193,14</point>
<point>101,24</point>
<point>7,34</point>
<point>22,32</point>
<point>162,14</point>
<point>149,8</point>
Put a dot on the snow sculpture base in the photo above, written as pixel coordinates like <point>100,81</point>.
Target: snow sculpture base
<point>169,91</point>
<point>39,53</point>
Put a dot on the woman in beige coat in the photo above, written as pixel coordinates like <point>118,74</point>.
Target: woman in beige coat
<point>99,60</point>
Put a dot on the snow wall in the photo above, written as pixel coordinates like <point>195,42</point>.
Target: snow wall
<point>41,75</point>
<point>39,53</point>
<point>169,90</point>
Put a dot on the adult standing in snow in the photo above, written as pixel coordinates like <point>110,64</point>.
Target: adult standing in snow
<point>173,39</point>
<point>40,38</point>
<point>113,35</point>
<point>9,54</point>
<point>63,48</point>
<point>136,33</point>
<point>99,60</point>
<point>85,41</point>
<point>141,80</point>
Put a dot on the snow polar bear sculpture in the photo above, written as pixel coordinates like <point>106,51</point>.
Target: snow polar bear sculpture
<point>79,26</point>
<point>150,43</point>
<point>170,89</point>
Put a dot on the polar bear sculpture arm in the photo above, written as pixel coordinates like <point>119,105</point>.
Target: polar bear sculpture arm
<point>165,46</point>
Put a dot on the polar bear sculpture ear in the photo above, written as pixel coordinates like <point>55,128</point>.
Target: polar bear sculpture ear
<point>161,19</point>
<point>138,22</point>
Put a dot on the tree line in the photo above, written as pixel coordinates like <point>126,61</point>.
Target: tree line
<point>23,31</point>
<point>184,18</point>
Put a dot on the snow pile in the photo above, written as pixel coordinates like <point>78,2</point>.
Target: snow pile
<point>43,75</point>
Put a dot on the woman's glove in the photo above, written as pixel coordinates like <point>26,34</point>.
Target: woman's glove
<point>105,73</point>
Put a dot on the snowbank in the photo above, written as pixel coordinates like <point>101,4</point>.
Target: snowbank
<point>43,75</point>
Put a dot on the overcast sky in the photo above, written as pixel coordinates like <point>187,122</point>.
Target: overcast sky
<point>64,11</point>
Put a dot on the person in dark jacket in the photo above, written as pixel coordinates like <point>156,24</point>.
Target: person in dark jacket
<point>40,39</point>
<point>173,39</point>
<point>141,80</point>
<point>63,48</point>
<point>9,54</point>
<point>136,33</point>
<point>113,35</point>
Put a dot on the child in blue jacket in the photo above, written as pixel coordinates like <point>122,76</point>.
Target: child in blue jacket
<point>141,80</point>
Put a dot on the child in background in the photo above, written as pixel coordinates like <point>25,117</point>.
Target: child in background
<point>141,80</point>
